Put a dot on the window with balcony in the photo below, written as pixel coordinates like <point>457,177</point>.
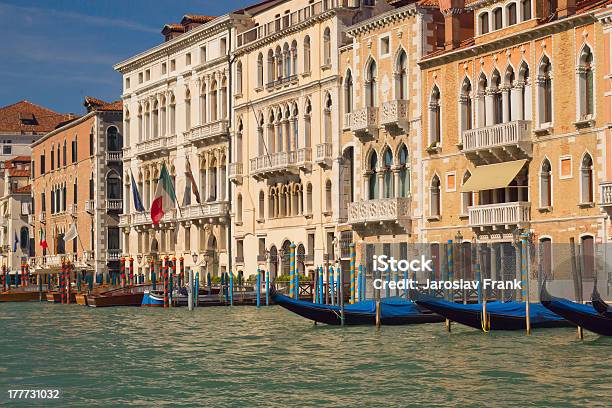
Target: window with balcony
<point>585,83</point>
<point>327,118</point>
<point>307,124</point>
<point>223,98</point>
<point>155,119</point>
<point>401,76</point>
<point>371,88</point>
<point>348,92</point>
<point>113,139</point>
<point>203,104</point>
<point>498,104</point>
<point>586,180</point>
<point>113,238</point>
<point>172,115</point>
<point>545,103</point>
<point>435,197</point>
<point>404,172</point>
<point>113,186</point>
<point>525,92</point>
<point>435,120</point>
<point>481,116</point>
<point>307,54</point>
<point>294,58</point>
<point>546,185</point>
<point>388,190</point>
<point>373,176</point>
<point>509,82</point>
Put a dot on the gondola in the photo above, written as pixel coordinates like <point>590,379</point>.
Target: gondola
<point>598,304</point>
<point>585,316</point>
<point>499,316</point>
<point>393,311</point>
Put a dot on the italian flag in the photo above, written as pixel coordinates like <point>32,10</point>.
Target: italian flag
<point>165,198</point>
<point>43,240</point>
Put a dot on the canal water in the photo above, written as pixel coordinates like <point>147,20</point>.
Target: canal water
<point>268,357</point>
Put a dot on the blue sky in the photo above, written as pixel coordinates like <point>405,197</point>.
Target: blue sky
<point>56,52</point>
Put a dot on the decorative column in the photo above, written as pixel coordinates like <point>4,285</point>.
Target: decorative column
<point>516,99</point>
<point>366,184</point>
<point>198,84</point>
<point>489,107</point>
<point>381,183</point>
<point>506,103</point>
<point>396,181</point>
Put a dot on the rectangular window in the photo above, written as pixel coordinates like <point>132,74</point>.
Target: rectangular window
<point>223,47</point>
<point>384,46</point>
<point>565,167</point>
<point>74,151</point>
<point>330,245</point>
<point>172,65</point>
<point>163,68</point>
<point>91,142</point>
<point>140,77</point>
<point>188,59</point>
<point>311,244</point>
<point>43,202</point>
<point>148,75</point>
<point>262,246</point>
<point>187,239</point>
<point>127,83</point>
<point>91,188</point>
<point>202,54</point>
<point>42,164</point>
<point>113,238</point>
<point>7,149</point>
<point>74,193</point>
<point>240,249</point>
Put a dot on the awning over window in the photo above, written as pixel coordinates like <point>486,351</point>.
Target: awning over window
<point>493,176</point>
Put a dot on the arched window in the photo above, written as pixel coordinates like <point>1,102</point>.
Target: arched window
<point>545,185</point>
<point>465,102</point>
<point>525,10</point>
<point>327,118</point>
<point>586,180</point>
<point>309,199</point>
<point>213,101</point>
<point>497,18</point>
<point>239,78</point>
<point>286,61</point>
<point>147,126</point>
<point>498,103</point>
<point>373,177</point>
<point>212,181</point>
<point>483,22</point>
<point>223,98</point>
<point>545,91</point>
<point>294,59</point>
<point>435,120</point>
<point>511,14</point>
<point>467,198</point>
<point>113,139</point>
<point>481,117</point>
<point>262,203</point>
<point>306,54</point>
<point>401,76</point>
<point>348,92</point>
<point>404,173</point>
<point>260,70</point>
<point>155,119</point>
<point>140,123</point>
<point>239,208</point>
<point>271,73</point>
<point>585,83</point>
<point>307,124</point>
<point>326,46</point>
<point>371,96</point>
<point>278,62</point>
<point>113,186</point>
<point>525,90</point>
<point>24,238</point>
<point>203,104</point>
<point>388,190</point>
<point>328,196</point>
<point>163,116</point>
<point>64,153</point>
<point>296,129</point>
<point>126,132</point>
<point>434,197</point>
<point>187,109</point>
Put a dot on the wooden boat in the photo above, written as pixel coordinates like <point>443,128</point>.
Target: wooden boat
<point>81,299</point>
<point>56,297</point>
<point>153,298</point>
<point>600,305</point>
<point>21,295</point>
<point>585,316</point>
<point>500,315</point>
<point>393,311</point>
<point>127,296</point>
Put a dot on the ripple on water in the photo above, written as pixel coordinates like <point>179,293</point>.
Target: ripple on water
<point>269,357</point>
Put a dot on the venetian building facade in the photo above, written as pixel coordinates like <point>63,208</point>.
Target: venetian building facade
<point>177,112</point>
<point>287,120</point>
<point>380,138</point>
<point>76,179</point>
<point>514,127</point>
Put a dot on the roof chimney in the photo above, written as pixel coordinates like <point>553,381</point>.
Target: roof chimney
<point>566,8</point>
<point>452,10</point>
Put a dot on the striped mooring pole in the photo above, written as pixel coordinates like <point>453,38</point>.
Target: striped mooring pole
<point>321,287</point>
<point>293,291</point>
<point>525,279</point>
<point>332,286</point>
<point>352,271</point>
<point>166,283</point>
<point>267,288</point>
<point>132,271</point>
<point>122,269</point>
<point>231,288</point>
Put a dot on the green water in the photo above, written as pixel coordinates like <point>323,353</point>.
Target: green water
<point>243,356</point>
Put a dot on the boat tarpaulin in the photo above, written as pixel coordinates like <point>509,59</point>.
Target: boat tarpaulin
<point>493,176</point>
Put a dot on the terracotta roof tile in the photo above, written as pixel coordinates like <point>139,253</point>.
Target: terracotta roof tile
<point>26,117</point>
<point>24,190</point>
<point>92,103</point>
<point>428,3</point>
<point>195,18</point>
<point>18,172</point>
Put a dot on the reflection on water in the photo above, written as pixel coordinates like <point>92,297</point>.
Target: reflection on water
<point>243,356</point>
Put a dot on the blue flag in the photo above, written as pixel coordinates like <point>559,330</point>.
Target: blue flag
<point>15,242</point>
<point>137,201</point>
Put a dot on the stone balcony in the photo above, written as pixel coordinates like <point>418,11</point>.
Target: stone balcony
<point>498,216</point>
<point>144,218</point>
<point>394,116</point>
<point>364,122</point>
<point>348,119</point>
<point>393,210</point>
<point>73,209</point>
<point>124,220</point>
<point>90,206</point>
<point>235,173</point>
<point>606,194</point>
<point>216,211</point>
<point>42,217</point>
<point>208,133</point>
<point>498,143</point>
<point>156,147</point>
<point>323,154</point>
<point>114,156</point>
<point>113,255</point>
<point>274,164</point>
<point>114,204</point>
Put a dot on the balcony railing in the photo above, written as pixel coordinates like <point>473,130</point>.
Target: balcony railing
<point>114,204</point>
<point>153,147</point>
<point>502,142</point>
<point>90,206</point>
<point>114,156</point>
<point>606,193</point>
<point>379,210</point>
<point>218,209</point>
<point>72,209</point>
<point>394,115</point>
<point>348,120</point>
<point>125,220</point>
<point>41,217</point>
<point>289,20</point>
<point>144,218</point>
<point>323,154</point>
<point>304,158</point>
<point>364,122</point>
<point>235,172</point>
<point>209,133</point>
<point>499,214</point>
<point>113,255</point>
<point>274,163</point>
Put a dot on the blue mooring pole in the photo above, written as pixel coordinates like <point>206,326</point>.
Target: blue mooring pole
<point>258,291</point>
<point>231,288</point>
<point>406,283</point>
<point>321,287</point>
<point>388,289</point>
<point>332,289</point>
<point>267,288</point>
<point>360,283</point>
<point>197,289</point>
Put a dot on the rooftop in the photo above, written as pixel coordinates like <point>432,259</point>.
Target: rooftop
<point>28,118</point>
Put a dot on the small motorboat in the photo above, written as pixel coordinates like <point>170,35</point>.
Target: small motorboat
<point>128,296</point>
<point>393,311</point>
<point>499,315</point>
<point>56,297</point>
<point>21,295</point>
<point>585,316</point>
<point>153,298</point>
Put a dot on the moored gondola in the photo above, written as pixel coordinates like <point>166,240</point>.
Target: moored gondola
<point>585,316</point>
<point>499,315</point>
<point>600,305</point>
<point>393,311</point>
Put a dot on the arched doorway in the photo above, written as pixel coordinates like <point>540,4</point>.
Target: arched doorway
<point>301,254</point>
<point>213,255</point>
<point>273,262</point>
<point>286,251</point>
